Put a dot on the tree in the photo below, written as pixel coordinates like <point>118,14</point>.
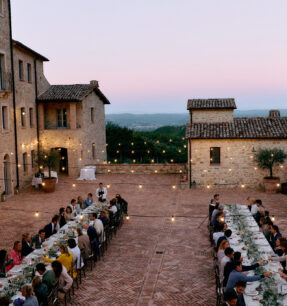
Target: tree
<point>268,158</point>
<point>49,160</point>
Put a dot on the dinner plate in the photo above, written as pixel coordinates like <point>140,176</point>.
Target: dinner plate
<point>251,293</point>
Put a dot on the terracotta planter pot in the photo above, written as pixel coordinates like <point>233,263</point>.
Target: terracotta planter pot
<point>49,184</point>
<point>271,185</point>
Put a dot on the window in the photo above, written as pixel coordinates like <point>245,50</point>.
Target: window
<point>94,151</point>
<point>214,155</point>
<point>92,114</point>
<point>23,117</point>
<point>61,117</point>
<point>5,117</point>
<point>29,76</point>
<point>21,76</point>
<point>25,166</point>
<point>2,71</point>
<point>31,117</point>
<point>33,158</point>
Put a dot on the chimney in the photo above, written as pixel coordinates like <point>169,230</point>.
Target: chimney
<point>274,113</point>
<point>94,83</point>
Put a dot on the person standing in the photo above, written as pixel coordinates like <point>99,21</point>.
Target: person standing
<point>101,193</point>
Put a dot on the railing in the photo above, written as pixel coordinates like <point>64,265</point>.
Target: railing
<point>55,127</point>
<point>6,82</point>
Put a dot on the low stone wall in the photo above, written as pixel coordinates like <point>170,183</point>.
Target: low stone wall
<point>142,168</point>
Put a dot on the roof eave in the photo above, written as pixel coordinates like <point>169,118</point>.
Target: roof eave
<point>27,49</point>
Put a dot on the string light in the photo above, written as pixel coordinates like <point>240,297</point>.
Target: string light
<point>163,151</point>
<point>230,169</point>
<point>179,151</point>
<point>273,218</point>
<point>43,184</point>
<point>152,160</point>
<point>127,217</point>
<point>170,140</point>
<point>19,166</point>
<point>255,168</point>
<point>184,146</point>
<point>242,186</point>
<point>132,143</point>
<point>132,171</point>
<point>108,186</point>
<point>115,160</point>
<point>208,186</point>
<point>155,171</point>
<point>145,142</point>
<point>119,144</point>
<point>278,185</point>
<point>173,187</point>
<point>171,160</point>
<point>172,218</point>
<point>157,141</point>
<point>63,168</point>
<point>74,185</point>
<point>281,166</point>
<point>133,152</point>
<point>36,214</point>
<point>109,171</point>
<point>118,151</point>
<point>140,186</point>
<point>134,160</point>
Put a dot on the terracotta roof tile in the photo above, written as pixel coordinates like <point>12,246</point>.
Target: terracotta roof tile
<point>70,93</point>
<point>211,104</point>
<point>240,128</point>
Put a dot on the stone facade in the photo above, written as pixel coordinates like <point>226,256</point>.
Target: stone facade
<point>212,116</point>
<point>236,141</point>
<point>82,141</point>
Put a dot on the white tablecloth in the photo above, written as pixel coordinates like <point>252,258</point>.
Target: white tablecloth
<point>36,181</point>
<point>265,251</point>
<point>88,173</point>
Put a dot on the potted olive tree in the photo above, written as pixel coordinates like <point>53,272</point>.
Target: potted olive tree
<point>268,159</point>
<point>48,160</point>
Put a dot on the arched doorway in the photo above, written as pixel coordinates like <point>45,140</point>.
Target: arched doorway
<point>7,174</point>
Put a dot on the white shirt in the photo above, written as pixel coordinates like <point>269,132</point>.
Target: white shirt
<point>254,209</point>
<point>77,257</point>
<point>114,209</point>
<point>216,236</point>
<point>98,225</point>
<point>104,189</point>
<point>224,261</point>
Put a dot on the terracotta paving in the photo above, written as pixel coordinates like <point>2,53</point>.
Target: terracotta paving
<point>152,260</point>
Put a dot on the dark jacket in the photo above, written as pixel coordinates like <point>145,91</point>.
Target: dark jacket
<point>49,279</point>
<point>62,221</point>
<point>36,242</point>
<point>229,267</point>
<point>273,239</point>
<point>240,301</point>
<point>26,249</point>
<point>48,230</point>
<point>42,293</point>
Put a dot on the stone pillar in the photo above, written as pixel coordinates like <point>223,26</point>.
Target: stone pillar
<point>41,116</point>
<point>73,116</point>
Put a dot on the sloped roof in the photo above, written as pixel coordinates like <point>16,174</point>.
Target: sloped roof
<point>211,104</point>
<point>240,128</point>
<point>29,50</point>
<point>71,93</point>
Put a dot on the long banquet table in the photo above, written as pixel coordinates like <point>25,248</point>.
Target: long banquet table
<point>247,239</point>
<point>18,276</point>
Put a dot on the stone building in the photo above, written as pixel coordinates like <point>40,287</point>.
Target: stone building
<point>221,148</point>
<point>36,115</point>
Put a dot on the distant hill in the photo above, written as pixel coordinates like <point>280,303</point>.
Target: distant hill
<point>151,122</point>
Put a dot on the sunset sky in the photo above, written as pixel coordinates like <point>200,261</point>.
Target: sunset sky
<point>152,55</point>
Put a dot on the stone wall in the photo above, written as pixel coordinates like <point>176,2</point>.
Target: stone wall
<point>142,168</point>
<point>212,116</point>
<point>237,165</point>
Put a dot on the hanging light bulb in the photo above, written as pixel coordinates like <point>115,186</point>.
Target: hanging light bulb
<point>172,218</point>
<point>43,184</point>
<point>140,186</point>
<point>173,187</point>
<point>273,218</point>
<point>127,217</point>
<point>108,186</point>
<point>242,186</point>
<point>36,214</point>
<point>74,185</point>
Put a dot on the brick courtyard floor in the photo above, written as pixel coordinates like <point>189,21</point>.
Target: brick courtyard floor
<point>132,271</point>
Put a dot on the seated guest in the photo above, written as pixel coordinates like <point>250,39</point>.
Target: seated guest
<point>103,217</point>
<point>219,218</point>
<point>239,288</point>
<point>260,211</point>
<point>68,214</point>
<point>65,281</point>
<point>48,276</point>
<point>237,275</point>
<point>226,236</point>
<point>218,232</point>
<point>41,290</point>
<point>101,193</point>
<point>15,254</point>
<point>5,301</point>
<point>113,207</point>
<point>62,217</point>
<point>212,204</point>
<point>66,258</point>
<point>98,225</point>
<point>228,252</point>
<point>28,293</point>
<point>84,244</point>
<point>252,206</point>
<point>229,266</point>
<point>38,239</point>
<point>50,229</point>
<point>267,229</point>
<point>80,202</point>
<point>4,263</point>
<point>275,233</point>
<point>230,299</point>
<point>283,258</point>
<point>73,207</point>
<point>26,245</point>
<point>93,236</point>
<point>75,250</point>
<point>89,200</point>
<point>123,203</point>
<point>220,254</point>
<point>218,208</point>
<point>278,249</point>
